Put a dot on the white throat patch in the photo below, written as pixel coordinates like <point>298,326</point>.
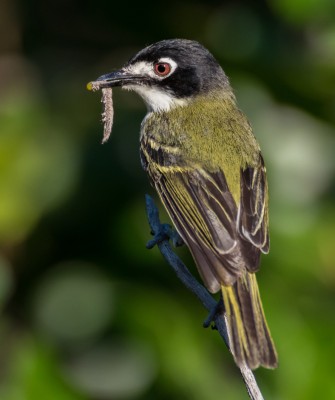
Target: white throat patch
<point>156,99</point>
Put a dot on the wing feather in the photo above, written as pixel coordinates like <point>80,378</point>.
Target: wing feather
<point>253,218</point>
<point>224,238</point>
<point>205,231</point>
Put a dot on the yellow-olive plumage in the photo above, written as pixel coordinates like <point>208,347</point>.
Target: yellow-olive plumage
<point>208,171</point>
<point>201,156</point>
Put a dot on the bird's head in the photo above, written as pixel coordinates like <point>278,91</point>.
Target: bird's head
<point>169,73</point>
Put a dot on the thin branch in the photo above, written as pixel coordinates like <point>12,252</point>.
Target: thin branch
<point>199,290</point>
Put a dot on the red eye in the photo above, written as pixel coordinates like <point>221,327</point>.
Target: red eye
<point>162,69</point>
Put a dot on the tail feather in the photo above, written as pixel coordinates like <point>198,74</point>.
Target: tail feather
<point>249,335</point>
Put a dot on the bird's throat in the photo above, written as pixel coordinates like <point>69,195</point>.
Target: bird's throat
<point>157,100</point>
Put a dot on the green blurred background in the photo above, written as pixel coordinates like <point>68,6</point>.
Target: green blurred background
<point>87,311</point>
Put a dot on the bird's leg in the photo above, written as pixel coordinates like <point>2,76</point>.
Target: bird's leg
<point>214,312</point>
<point>165,232</point>
<point>160,231</point>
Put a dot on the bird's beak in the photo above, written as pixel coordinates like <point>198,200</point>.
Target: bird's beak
<point>118,78</point>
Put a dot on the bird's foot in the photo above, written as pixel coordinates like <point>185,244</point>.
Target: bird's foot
<point>160,231</point>
<point>216,310</point>
<point>165,232</point>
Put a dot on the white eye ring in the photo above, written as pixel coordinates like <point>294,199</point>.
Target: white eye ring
<point>164,67</point>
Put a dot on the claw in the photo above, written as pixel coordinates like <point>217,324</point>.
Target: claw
<point>165,232</point>
<point>160,231</point>
<point>162,234</point>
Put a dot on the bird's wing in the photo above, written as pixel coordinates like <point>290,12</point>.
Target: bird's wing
<point>253,217</point>
<point>205,216</point>
<point>224,238</point>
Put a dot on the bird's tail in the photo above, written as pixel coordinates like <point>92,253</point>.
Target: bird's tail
<point>249,335</point>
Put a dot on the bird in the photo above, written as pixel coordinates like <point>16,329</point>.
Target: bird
<point>206,165</point>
